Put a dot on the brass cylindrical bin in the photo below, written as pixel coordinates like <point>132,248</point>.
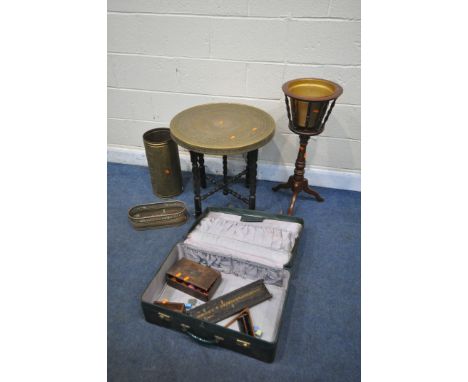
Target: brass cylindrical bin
<point>162,154</point>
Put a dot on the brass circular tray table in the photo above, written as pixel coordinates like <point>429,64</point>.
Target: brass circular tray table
<point>222,129</point>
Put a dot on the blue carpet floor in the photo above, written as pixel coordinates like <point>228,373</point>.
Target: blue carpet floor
<point>320,336</point>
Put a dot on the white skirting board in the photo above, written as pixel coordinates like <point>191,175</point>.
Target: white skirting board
<point>344,180</point>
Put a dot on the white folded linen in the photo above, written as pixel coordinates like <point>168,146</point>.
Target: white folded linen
<point>232,265</point>
<point>269,242</point>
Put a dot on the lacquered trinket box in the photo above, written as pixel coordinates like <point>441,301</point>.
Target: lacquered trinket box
<point>194,279</point>
<point>245,247</point>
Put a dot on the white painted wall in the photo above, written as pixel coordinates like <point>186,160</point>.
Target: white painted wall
<point>167,55</point>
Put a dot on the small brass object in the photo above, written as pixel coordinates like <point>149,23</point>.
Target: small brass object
<point>162,154</point>
<point>184,327</point>
<point>192,301</point>
<point>242,343</point>
<point>164,317</point>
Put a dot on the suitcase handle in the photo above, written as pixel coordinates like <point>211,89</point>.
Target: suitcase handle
<point>204,341</point>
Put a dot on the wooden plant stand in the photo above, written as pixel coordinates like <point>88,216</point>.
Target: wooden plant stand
<point>297,182</point>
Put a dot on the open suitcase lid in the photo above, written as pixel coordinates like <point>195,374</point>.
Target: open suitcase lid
<point>253,216</point>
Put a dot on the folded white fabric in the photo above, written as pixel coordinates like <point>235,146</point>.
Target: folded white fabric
<point>269,242</point>
<point>232,265</point>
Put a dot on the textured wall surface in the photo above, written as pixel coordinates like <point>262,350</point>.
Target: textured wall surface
<point>168,55</point>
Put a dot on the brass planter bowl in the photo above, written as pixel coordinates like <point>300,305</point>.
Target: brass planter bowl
<point>158,215</point>
<point>309,102</point>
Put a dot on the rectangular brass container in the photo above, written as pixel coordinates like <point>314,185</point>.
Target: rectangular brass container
<point>158,215</point>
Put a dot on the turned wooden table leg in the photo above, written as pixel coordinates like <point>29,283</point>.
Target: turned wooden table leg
<point>247,174</point>
<point>225,176</point>
<point>252,157</point>
<point>196,182</point>
<point>201,165</point>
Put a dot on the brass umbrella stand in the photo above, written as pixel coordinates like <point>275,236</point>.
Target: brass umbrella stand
<point>309,102</point>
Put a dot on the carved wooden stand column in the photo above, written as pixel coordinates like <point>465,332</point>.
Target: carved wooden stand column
<point>297,182</point>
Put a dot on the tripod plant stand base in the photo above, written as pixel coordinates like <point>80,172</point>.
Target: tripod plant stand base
<point>297,182</point>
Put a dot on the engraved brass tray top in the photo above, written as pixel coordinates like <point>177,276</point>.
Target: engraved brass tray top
<point>222,128</point>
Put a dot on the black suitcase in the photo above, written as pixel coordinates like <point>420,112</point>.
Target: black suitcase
<point>208,333</point>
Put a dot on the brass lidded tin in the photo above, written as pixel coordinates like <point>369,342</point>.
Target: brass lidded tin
<point>162,154</point>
